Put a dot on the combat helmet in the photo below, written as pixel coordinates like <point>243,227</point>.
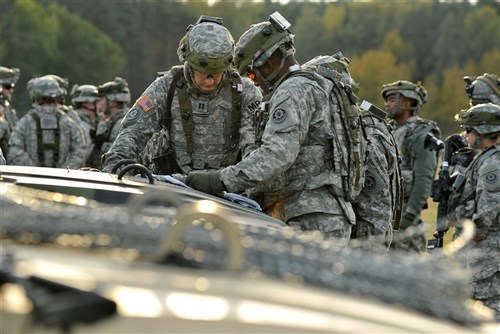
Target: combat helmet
<point>408,89</point>
<point>259,42</point>
<point>9,76</point>
<point>483,118</point>
<point>44,89</point>
<point>483,89</point>
<point>207,47</point>
<point>84,93</point>
<point>116,90</point>
<point>62,82</point>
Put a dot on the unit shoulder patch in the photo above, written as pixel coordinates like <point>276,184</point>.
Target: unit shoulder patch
<point>279,115</point>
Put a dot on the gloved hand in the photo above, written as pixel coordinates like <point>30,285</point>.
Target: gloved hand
<point>407,220</point>
<point>208,182</point>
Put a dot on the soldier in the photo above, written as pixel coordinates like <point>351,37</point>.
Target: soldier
<point>201,113</point>
<point>403,99</point>
<point>2,158</point>
<point>378,205</point>
<point>84,99</point>
<point>112,107</point>
<point>8,79</point>
<point>8,116</point>
<point>483,89</point>
<point>477,197</point>
<point>293,168</point>
<point>45,136</point>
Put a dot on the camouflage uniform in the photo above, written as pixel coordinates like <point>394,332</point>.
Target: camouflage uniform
<point>2,158</point>
<point>205,137</point>
<point>46,126</point>
<point>290,167</point>
<point>478,198</point>
<point>110,128</point>
<point>418,163</point>
<point>4,133</point>
<point>379,203</point>
<point>293,167</point>
<point>81,97</point>
<point>9,76</point>
<point>116,94</point>
<point>482,89</point>
<point>8,115</point>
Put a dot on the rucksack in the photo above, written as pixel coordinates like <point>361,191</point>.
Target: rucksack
<point>352,166</point>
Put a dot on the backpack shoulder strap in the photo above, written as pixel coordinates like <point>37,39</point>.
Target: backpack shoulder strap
<point>165,117</point>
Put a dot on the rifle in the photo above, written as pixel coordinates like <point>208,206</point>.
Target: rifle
<point>441,190</point>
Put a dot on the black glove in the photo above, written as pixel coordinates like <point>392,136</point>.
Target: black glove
<point>208,182</point>
<point>407,220</point>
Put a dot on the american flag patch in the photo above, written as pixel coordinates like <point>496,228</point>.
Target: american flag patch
<point>145,103</point>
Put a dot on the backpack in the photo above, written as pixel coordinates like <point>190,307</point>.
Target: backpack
<point>352,166</point>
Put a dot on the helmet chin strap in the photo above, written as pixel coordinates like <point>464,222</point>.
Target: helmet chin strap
<point>268,80</point>
<point>477,141</point>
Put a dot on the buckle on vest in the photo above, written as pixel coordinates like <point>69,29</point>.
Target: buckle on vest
<point>184,160</point>
<point>198,164</point>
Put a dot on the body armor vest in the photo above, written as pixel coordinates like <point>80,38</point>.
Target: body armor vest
<point>206,128</point>
<point>48,123</point>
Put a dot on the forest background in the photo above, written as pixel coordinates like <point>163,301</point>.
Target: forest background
<point>91,42</point>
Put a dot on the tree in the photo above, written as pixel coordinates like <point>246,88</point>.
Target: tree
<point>48,39</point>
<point>375,68</point>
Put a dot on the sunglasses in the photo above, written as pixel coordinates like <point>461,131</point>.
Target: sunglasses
<point>8,86</point>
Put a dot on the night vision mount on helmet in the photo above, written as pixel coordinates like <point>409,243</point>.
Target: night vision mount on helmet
<point>482,118</point>
<point>408,89</point>
<point>259,42</point>
<point>208,46</point>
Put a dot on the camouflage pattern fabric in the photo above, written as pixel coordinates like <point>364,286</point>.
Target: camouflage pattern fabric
<point>88,127</point>
<point>71,112</point>
<point>110,128</point>
<point>24,142</point>
<point>378,201</point>
<point>418,167</point>
<point>211,116</point>
<point>10,115</point>
<point>4,135</point>
<point>478,198</point>
<point>292,167</point>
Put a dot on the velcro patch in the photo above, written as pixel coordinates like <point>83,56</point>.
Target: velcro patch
<point>279,115</point>
<point>145,103</point>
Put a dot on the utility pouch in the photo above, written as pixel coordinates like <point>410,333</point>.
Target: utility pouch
<point>167,163</point>
<point>48,122</point>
